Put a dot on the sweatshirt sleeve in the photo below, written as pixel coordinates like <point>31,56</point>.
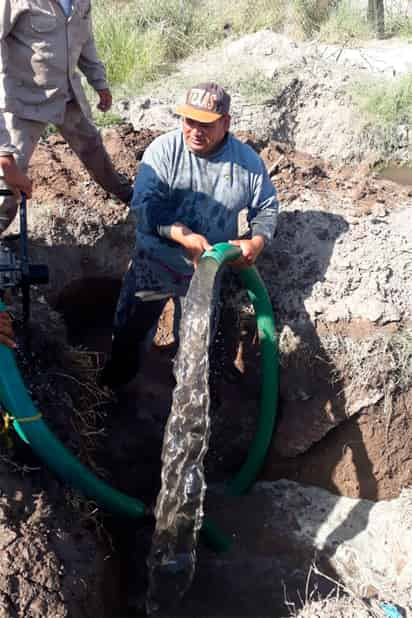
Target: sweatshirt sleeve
<point>151,197</point>
<point>264,207</point>
<point>6,23</point>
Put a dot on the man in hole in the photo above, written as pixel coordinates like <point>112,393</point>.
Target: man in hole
<point>196,186</point>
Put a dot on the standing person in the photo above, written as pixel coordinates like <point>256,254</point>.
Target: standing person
<point>42,44</point>
<point>196,186</point>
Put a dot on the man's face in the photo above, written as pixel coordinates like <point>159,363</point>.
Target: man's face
<point>203,138</point>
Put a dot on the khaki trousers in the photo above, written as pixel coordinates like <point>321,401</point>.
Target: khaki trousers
<point>85,140</point>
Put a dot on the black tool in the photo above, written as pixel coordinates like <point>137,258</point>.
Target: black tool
<point>18,271</point>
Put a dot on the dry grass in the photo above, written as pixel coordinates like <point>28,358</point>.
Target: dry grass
<point>89,514</point>
<point>340,603</point>
<point>9,463</point>
<point>77,377</point>
<point>89,401</point>
<point>382,362</point>
<point>343,607</point>
<point>89,404</point>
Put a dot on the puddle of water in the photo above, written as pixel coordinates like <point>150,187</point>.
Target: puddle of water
<point>399,174</point>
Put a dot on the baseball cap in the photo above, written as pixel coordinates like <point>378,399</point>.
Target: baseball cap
<point>205,102</point>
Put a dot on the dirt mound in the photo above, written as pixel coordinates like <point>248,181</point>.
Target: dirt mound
<point>296,93</point>
<point>58,175</point>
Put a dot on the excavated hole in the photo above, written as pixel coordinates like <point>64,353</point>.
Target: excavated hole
<point>88,306</point>
<point>349,461</point>
<point>130,451</point>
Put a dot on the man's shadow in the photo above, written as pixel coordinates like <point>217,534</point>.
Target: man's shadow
<point>313,427</point>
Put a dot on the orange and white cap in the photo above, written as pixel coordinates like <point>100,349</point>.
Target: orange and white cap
<point>205,103</point>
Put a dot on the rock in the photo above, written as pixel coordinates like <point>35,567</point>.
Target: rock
<point>311,535</point>
<point>360,191</point>
<point>370,399</point>
<point>152,115</point>
<point>372,309</point>
<point>336,312</point>
<point>379,211</point>
<point>289,341</point>
<point>391,314</point>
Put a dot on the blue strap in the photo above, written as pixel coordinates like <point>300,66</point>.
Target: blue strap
<point>391,610</point>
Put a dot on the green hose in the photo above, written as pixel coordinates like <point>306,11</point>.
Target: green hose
<point>33,430</point>
<point>223,253</point>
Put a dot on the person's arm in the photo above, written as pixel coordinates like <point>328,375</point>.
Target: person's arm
<point>6,25</point>
<point>251,249</point>
<point>194,244</point>
<point>264,207</point>
<point>12,175</point>
<point>6,330</point>
<point>263,213</point>
<point>154,207</point>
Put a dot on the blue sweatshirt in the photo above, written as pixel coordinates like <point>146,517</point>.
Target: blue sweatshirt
<point>224,196</point>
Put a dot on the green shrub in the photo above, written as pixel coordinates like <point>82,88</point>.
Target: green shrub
<point>245,16</point>
<point>399,26</point>
<point>309,15</point>
<point>140,41</point>
<point>117,39</point>
<point>303,18</point>
<point>178,22</point>
<point>389,101</point>
<point>106,119</point>
<point>346,22</point>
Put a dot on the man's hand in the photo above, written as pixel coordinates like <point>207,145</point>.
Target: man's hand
<point>13,176</point>
<point>6,330</point>
<point>195,244</point>
<point>251,250</point>
<point>105,100</point>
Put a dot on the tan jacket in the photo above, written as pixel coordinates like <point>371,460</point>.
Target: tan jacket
<point>40,52</point>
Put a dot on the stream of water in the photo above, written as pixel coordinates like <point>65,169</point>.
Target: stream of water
<point>179,508</point>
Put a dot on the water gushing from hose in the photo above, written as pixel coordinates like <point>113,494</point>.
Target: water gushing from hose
<point>179,507</point>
